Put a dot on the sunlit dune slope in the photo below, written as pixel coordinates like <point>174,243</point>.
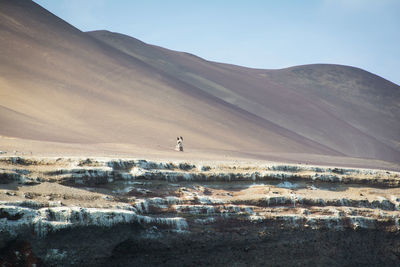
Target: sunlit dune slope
<point>344,108</point>
<point>60,84</point>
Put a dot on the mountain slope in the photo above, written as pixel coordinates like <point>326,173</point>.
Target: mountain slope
<point>344,108</point>
<point>60,84</point>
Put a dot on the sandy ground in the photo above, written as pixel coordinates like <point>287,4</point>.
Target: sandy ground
<point>104,93</point>
<point>24,147</point>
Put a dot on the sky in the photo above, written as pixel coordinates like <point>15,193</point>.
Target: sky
<point>254,33</point>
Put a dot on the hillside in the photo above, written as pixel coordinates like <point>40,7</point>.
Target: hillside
<point>62,85</point>
<point>346,109</point>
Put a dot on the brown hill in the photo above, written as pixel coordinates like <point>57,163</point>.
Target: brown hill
<point>62,85</point>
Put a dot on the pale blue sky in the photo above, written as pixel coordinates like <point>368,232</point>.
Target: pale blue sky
<point>260,34</point>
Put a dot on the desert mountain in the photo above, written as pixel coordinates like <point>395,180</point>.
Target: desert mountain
<point>60,84</point>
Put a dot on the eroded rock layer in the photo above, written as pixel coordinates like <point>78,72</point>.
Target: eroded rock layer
<point>73,211</point>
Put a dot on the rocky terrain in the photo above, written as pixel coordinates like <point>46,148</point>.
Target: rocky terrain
<point>104,211</point>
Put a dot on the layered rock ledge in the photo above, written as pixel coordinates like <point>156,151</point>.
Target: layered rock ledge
<point>101,211</point>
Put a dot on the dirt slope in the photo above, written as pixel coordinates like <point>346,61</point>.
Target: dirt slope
<point>62,85</point>
<point>344,108</point>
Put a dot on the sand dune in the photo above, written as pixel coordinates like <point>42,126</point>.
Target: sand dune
<point>346,109</point>
<point>62,85</point>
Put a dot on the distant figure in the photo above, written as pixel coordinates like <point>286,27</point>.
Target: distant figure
<point>179,144</point>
